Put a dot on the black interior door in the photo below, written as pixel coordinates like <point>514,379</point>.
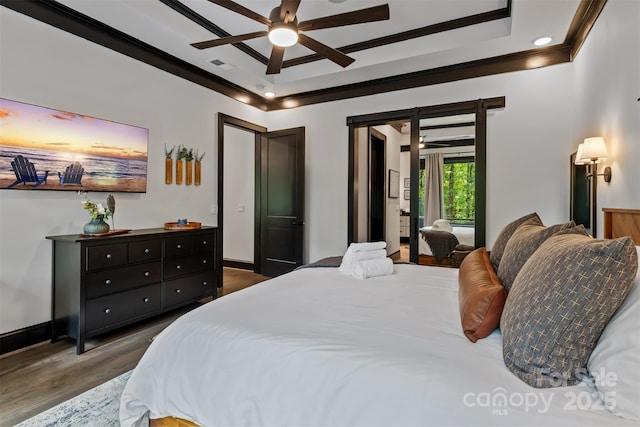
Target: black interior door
<point>281,201</point>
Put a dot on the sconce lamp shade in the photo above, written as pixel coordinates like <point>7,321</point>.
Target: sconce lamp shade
<point>593,150</point>
<point>579,160</point>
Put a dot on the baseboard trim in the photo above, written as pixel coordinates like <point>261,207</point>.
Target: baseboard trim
<point>242,265</point>
<point>25,337</point>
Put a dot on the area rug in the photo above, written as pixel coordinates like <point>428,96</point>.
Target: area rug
<point>96,407</point>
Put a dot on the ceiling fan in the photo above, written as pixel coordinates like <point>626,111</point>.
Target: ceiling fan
<point>284,30</point>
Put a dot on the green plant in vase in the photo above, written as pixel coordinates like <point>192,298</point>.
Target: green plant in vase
<point>182,154</point>
<point>189,161</point>
<point>168,164</point>
<point>198,168</point>
<point>98,214</point>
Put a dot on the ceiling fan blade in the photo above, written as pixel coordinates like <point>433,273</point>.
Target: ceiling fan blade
<point>324,50</point>
<point>275,60</point>
<point>235,7</point>
<point>371,14</point>
<point>228,40</point>
<point>288,10</point>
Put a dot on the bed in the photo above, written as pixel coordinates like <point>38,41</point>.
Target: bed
<point>316,347</point>
<point>427,256</point>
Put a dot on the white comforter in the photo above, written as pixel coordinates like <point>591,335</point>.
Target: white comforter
<point>465,235</point>
<point>318,348</point>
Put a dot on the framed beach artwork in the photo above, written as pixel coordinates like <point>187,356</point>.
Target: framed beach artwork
<point>47,149</point>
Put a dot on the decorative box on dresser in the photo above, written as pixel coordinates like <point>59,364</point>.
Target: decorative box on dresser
<point>103,283</point>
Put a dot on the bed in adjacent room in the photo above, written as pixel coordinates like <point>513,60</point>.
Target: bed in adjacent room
<point>421,346</point>
<point>437,243</point>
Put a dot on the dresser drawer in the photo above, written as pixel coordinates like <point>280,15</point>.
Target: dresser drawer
<point>113,309</point>
<point>203,243</point>
<point>181,245</point>
<point>147,250</point>
<point>104,256</point>
<point>189,288</point>
<point>176,267</point>
<point>114,280</point>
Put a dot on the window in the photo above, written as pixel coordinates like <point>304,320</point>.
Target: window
<point>458,192</point>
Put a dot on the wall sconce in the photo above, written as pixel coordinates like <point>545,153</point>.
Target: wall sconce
<point>591,152</point>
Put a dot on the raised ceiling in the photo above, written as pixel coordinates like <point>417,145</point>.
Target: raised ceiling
<point>421,38</point>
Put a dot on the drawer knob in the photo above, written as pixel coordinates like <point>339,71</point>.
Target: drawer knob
<point>146,274</point>
<point>145,300</point>
<point>178,246</point>
<point>107,282</point>
<point>107,310</point>
<point>177,291</point>
<point>108,256</point>
<point>178,267</point>
<point>146,251</point>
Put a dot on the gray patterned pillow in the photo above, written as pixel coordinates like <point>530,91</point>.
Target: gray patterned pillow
<point>523,243</point>
<point>504,235</point>
<point>559,304</point>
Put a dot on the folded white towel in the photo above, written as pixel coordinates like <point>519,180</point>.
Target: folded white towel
<point>372,268</point>
<point>367,246</point>
<point>351,257</point>
<point>442,225</point>
<point>361,256</point>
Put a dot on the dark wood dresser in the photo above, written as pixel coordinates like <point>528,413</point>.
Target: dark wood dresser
<point>102,283</point>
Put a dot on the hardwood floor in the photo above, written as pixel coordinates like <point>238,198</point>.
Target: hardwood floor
<point>39,377</point>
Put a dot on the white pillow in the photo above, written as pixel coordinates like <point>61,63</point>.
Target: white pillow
<point>442,225</point>
<point>615,361</point>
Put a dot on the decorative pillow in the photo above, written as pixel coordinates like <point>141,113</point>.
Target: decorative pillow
<point>481,296</point>
<point>503,237</point>
<point>523,243</point>
<point>442,225</point>
<point>615,362</point>
<point>559,304</point>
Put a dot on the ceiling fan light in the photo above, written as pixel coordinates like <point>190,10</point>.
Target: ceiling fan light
<point>283,35</point>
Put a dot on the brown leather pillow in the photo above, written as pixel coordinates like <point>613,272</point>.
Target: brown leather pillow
<point>481,295</point>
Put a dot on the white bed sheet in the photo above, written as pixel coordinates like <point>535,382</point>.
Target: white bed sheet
<point>465,235</point>
<point>318,348</point>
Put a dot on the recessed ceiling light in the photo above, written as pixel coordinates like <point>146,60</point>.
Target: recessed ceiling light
<point>542,41</point>
<point>269,94</point>
<point>337,1</point>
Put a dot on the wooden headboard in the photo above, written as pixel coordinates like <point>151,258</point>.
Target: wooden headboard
<point>622,222</point>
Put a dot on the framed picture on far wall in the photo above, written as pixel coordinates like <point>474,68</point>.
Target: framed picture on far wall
<point>394,184</point>
<point>407,183</point>
<point>407,195</point>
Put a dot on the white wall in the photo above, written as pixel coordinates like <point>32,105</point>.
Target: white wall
<point>528,148</point>
<point>607,86</point>
<point>45,66</point>
<point>239,194</point>
<point>529,142</point>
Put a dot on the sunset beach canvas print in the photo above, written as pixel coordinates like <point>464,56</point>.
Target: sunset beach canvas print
<point>46,149</point>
